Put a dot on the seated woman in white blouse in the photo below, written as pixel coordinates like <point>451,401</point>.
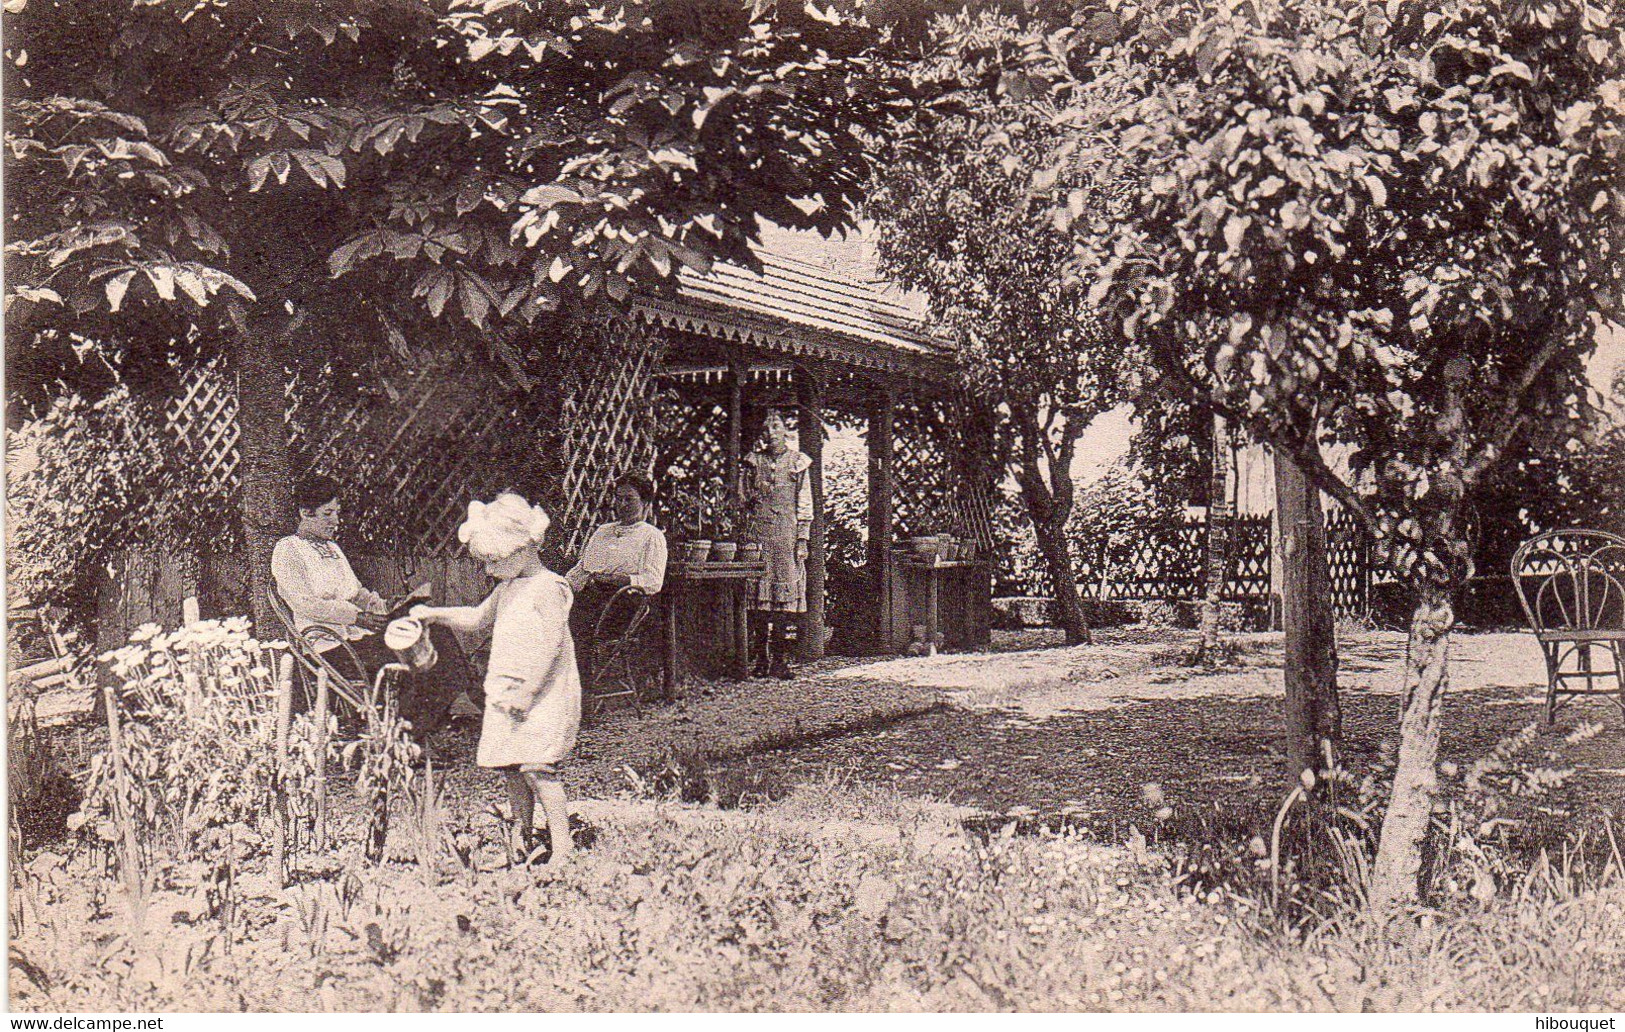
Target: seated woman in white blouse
<point>628,552</point>
<point>314,578</point>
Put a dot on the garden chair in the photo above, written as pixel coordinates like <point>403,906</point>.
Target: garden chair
<point>311,662</point>
<point>1571,584</point>
<point>42,673</point>
<point>614,670</point>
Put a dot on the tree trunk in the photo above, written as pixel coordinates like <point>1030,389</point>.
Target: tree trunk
<point>1049,508</point>
<point>1057,552</point>
<point>264,473</point>
<point>1313,718</point>
<point>1396,872</point>
<point>1218,539</point>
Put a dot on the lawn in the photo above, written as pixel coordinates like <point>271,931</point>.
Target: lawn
<point>886,839</point>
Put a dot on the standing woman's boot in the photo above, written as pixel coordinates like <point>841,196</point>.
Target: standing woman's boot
<point>763,637</point>
<point>781,651</point>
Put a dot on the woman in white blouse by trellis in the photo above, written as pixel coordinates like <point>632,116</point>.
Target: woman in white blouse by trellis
<point>628,552</point>
<point>314,578</point>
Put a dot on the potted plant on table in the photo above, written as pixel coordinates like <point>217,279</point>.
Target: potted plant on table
<point>723,546</point>
<point>687,511</point>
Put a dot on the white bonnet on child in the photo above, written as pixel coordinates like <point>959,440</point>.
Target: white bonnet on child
<point>498,529</point>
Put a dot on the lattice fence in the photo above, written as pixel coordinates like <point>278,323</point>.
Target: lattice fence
<point>1249,575</point>
<point>1159,562</point>
<point>1348,554</point>
<point>1167,562</point>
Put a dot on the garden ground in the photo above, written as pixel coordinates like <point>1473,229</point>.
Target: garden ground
<point>846,879</point>
<point>1079,730</point>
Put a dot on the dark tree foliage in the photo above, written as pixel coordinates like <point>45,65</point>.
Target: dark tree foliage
<point>338,180</point>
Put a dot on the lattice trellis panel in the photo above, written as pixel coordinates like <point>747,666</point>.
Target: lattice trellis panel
<point>690,460</point>
<point>203,423</point>
<point>414,460</point>
<point>938,487</point>
<point>607,426</point>
<point>409,458</point>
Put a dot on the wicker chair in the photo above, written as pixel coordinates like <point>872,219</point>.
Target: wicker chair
<point>613,669</point>
<point>303,645</point>
<point>1571,584</point>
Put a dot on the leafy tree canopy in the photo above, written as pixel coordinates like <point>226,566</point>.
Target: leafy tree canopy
<point>954,223</point>
<point>1389,223</point>
<point>177,166</point>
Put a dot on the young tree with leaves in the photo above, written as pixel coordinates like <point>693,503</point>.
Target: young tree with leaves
<point>312,178</point>
<point>954,224</point>
<point>1391,225</point>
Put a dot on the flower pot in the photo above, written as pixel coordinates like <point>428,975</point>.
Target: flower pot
<point>750,552</point>
<point>695,552</point>
<point>924,547</point>
<point>723,551</point>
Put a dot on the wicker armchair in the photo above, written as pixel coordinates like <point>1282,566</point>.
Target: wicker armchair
<point>613,668</point>
<point>311,662</point>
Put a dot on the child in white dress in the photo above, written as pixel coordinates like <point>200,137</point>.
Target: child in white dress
<point>532,688</point>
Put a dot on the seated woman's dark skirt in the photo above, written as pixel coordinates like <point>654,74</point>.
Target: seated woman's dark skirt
<point>423,699</point>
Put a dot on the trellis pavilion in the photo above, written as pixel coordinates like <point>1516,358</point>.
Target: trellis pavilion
<point>680,391</point>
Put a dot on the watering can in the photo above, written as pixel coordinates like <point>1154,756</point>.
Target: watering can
<point>409,639</point>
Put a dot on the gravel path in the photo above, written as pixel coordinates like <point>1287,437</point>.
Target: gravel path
<point>832,700</point>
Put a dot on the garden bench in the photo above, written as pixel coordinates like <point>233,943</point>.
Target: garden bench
<point>1571,584</point>
<point>44,673</point>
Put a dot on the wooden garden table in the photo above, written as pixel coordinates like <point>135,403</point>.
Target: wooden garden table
<point>738,581</point>
<point>933,571</point>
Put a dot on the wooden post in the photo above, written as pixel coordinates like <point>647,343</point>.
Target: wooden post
<point>280,819</point>
<point>319,803</point>
<point>1309,649</point>
<point>1220,517</point>
<point>668,665</point>
<point>130,868</point>
<point>810,428</point>
<point>738,372</point>
<point>880,509</point>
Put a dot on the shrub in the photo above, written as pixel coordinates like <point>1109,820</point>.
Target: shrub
<point>91,479</point>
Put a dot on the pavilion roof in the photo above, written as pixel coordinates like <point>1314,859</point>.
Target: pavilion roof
<point>803,307</point>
